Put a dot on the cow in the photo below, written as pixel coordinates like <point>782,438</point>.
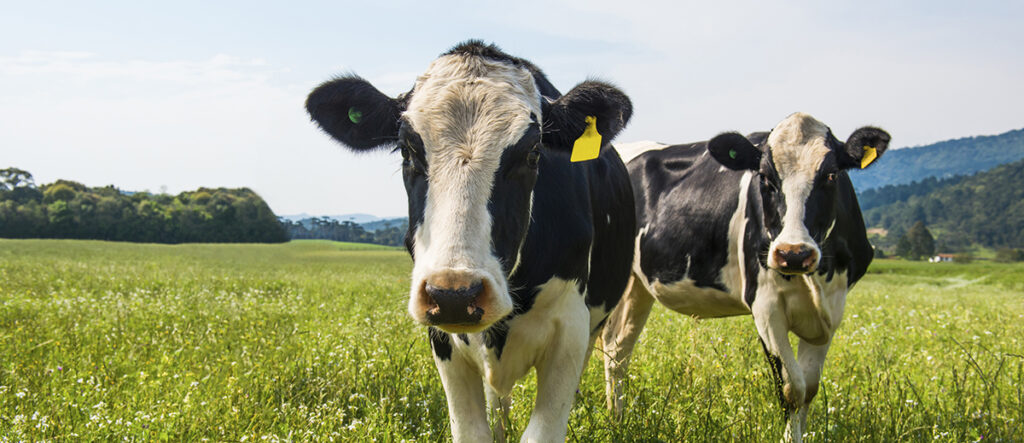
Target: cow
<point>766,225</point>
<point>519,253</point>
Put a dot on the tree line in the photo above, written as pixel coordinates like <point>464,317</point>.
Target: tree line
<point>331,229</point>
<point>67,209</point>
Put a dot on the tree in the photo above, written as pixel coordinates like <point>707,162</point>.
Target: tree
<point>58,192</point>
<point>14,178</point>
<point>917,243</point>
<point>903,247</point>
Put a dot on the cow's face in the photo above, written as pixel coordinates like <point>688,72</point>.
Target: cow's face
<point>799,166</point>
<point>474,133</point>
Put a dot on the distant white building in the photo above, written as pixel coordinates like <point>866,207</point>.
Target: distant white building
<point>941,258</point>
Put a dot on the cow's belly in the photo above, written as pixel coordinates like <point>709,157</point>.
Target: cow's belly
<point>687,298</point>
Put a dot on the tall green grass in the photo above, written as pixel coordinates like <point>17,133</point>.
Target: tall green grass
<point>310,341</point>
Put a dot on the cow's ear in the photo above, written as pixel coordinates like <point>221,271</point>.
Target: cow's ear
<point>863,148</point>
<point>355,113</point>
<point>566,119</point>
<point>735,152</point>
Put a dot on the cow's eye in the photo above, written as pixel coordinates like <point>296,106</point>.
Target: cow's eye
<point>831,177</point>
<point>533,157</point>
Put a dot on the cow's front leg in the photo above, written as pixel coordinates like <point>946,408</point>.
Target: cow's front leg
<point>773,329</point>
<point>558,375</point>
<point>812,360</point>
<point>499,406</point>
<point>621,332</point>
<point>464,390</point>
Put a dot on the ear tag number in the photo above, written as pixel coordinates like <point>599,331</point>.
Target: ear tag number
<point>588,146</point>
<point>355,115</point>
<point>870,154</point>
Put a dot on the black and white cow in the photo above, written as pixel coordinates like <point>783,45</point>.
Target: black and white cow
<point>766,225</point>
<point>519,254</point>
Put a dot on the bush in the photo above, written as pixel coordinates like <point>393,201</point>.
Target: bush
<point>1007,255</point>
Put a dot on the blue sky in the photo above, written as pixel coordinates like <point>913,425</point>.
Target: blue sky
<point>155,96</point>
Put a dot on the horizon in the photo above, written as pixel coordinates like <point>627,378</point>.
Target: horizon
<point>176,97</point>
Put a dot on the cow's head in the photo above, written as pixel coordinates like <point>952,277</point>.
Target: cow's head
<point>799,166</point>
<point>474,133</point>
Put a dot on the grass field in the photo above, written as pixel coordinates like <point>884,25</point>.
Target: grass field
<point>310,341</point>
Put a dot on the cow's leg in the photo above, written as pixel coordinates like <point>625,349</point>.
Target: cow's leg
<point>558,375</point>
<point>464,390</point>
<point>812,360</point>
<point>773,329</point>
<point>499,414</point>
<point>621,332</point>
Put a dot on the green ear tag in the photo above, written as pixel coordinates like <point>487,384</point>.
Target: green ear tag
<point>732,154</point>
<point>588,146</point>
<point>355,115</point>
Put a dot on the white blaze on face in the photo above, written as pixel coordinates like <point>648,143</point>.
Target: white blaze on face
<point>467,110</point>
<point>798,149</point>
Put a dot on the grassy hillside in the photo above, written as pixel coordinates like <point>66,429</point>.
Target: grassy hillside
<point>309,341</point>
<point>986,208</point>
<point>944,159</point>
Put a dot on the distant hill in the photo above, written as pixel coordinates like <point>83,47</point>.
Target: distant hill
<point>986,208</point>
<point>368,222</point>
<point>373,226</point>
<point>385,232</point>
<point>873,198</point>
<point>945,159</point>
<point>354,218</point>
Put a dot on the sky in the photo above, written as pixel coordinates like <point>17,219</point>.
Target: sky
<point>172,96</point>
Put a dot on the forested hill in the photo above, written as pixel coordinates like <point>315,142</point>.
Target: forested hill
<point>66,209</point>
<point>945,159</point>
<point>873,198</point>
<point>986,208</point>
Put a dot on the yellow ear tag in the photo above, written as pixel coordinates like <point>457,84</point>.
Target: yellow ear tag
<point>870,154</point>
<point>588,146</point>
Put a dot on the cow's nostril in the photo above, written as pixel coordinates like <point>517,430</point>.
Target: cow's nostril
<point>809,261</point>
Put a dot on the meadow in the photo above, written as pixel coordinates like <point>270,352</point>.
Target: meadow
<point>309,341</point>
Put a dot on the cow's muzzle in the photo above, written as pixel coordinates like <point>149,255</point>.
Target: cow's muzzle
<point>455,306</point>
<point>458,301</point>
<point>795,259</point>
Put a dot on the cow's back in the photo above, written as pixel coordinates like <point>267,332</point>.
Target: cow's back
<point>684,203</point>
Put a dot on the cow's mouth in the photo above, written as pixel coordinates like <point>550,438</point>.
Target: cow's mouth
<point>794,271</point>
